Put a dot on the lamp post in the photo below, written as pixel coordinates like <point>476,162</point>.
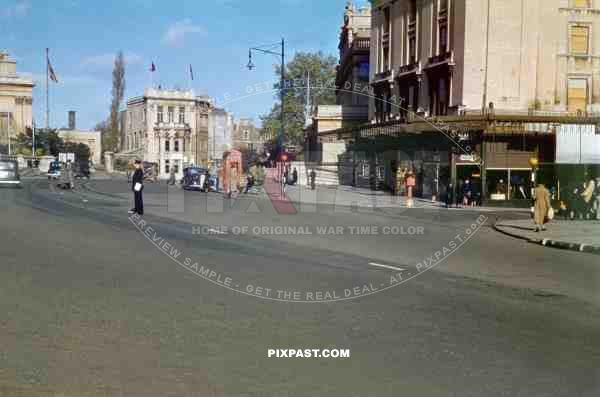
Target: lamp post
<point>250,66</point>
<point>533,162</point>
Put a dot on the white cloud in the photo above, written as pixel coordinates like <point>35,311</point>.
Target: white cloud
<point>175,34</point>
<point>107,60</point>
<point>18,9</point>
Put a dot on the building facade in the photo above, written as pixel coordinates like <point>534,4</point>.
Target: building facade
<point>16,98</point>
<point>430,58</point>
<point>168,128</point>
<point>476,90</point>
<point>247,136</point>
<point>220,134</point>
<point>93,139</point>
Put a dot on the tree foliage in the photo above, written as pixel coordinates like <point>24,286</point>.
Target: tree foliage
<point>110,136</point>
<point>321,69</point>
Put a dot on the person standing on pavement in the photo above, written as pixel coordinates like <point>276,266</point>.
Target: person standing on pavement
<point>137,186</point>
<point>294,176</point>
<point>313,177</point>
<point>172,176</point>
<point>449,195</point>
<point>541,206</point>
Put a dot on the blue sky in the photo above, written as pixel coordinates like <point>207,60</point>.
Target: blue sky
<point>212,35</point>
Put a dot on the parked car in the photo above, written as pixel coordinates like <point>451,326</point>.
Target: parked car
<point>9,173</point>
<point>54,170</point>
<point>194,178</point>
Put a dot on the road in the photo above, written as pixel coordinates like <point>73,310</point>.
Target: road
<point>94,306</point>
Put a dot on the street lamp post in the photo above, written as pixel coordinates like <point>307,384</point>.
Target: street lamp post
<point>250,66</point>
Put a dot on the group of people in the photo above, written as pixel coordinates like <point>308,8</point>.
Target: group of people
<point>582,201</point>
<point>465,194</point>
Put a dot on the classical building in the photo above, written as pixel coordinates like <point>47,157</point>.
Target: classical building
<point>429,57</point>
<point>247,136</point>
<point>167,127</point>
<point>220,134</point>
<point>352,95</point>
<point>93,139</point>
<point>476,89</point>
<point>15,100</point>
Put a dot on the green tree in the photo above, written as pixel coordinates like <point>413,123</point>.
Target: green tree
<point>111,134</point>
<point>322,70</point>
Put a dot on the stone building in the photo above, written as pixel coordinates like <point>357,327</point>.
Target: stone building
<point>93,139</point>
<point>440,57</point>
<point>16,96</point>
<point>167,127</point>
<point>247,136</point>
<point>477,90</point>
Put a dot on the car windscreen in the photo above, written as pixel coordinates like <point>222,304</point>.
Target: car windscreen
<point>196,171</point>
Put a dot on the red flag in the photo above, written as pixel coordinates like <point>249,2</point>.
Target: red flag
<point>51,73</point>
<point>152,67</point>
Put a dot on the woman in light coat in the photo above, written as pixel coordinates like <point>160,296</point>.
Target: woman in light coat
<point>541,207</point>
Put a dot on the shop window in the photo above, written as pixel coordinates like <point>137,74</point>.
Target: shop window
<point>577,95</point>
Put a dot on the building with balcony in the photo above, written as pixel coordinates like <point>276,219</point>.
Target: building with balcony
<point>16,98</point>
<point>430,58</point>
<point>474,89</point>
<point>169,128</point>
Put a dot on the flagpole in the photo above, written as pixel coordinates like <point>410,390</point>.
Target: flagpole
<point>47,91</point>
<point>33,140</point>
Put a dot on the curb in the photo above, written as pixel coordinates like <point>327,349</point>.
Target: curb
<point>579,247</point>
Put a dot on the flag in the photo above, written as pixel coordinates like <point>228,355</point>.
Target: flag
<point>51,73</point>
<point>152,67</point>
<point>191,72</point>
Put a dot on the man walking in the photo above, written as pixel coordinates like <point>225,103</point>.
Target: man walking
<point>313,177</point>
<point>172,176</point>
<point>137,186</point>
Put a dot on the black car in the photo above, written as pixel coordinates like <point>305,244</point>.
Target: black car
<point>9,173</point>
<point>195,178</point>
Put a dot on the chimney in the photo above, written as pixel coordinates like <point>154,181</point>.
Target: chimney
<point>71,119</point>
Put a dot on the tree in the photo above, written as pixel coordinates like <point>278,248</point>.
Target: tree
<point>111,134</point>
<point>322,70</point>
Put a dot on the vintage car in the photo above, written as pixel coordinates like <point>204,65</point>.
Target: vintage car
<point>194,178</point>
<point>9,173</point>
<point>54,170</point>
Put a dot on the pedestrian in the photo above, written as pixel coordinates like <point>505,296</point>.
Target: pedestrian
<point>294,176</point>
<point>459,193</point>
<point>172,176</point>
<point>449,195</point>
<point>137,186</point>
<point>467,193</point>
<point>69,172</point>
<point>313,177</point>
<point>541,207</point>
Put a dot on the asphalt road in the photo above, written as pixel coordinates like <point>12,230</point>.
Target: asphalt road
<point>93,305</point>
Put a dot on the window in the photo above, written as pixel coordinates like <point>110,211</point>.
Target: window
<point>167,145</point>
<point>182,115</point>
<point>171,114</point>
<point>412,49</point>
<point>579,39</point>
<point>443,5</point>
<point>246,135</point>
<point>176,166</point>
<point>159,114</point>
<point>577,95</point>
<point>581,3</point>
<point>443,38</point>
<point>385,61</point>
<point>176,145</point>
<point>167,167</point>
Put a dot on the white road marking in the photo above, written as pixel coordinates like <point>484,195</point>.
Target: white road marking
<point>387,266</point>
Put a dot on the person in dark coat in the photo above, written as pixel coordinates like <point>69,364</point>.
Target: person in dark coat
<point>138,178</point>
<point>449,195</point>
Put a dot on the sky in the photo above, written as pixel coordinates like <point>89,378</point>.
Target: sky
<point>212,35</point>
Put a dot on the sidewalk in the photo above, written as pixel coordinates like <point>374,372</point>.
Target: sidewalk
<point>583,236</point>
<point>346,195</point>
